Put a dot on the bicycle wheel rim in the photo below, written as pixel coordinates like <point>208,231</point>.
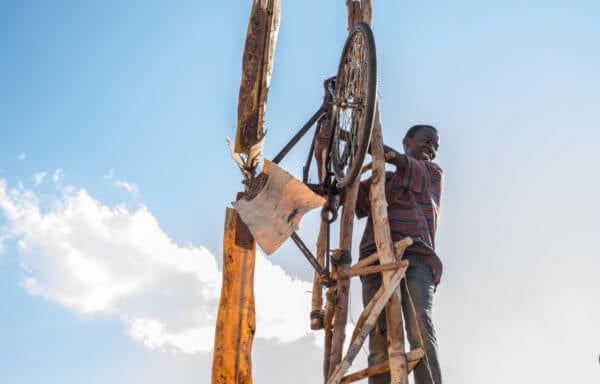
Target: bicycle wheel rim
<point>354,105</point>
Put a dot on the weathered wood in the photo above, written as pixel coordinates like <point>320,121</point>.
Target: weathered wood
<point>328,326</point>
<point>368,326</point>
<point>257,66</point>
<point>236,318</point>
<point>383,239</point>
<point>413,357</point>
<point>358,12</point>
<point>362,318</point>
<point>343,286</point>
<point>369,270</point>
<point>367,167</point>
<point>317,291</point>
<point>399,248</point>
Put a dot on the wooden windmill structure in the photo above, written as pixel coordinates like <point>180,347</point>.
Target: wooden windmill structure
<point>236,318</point>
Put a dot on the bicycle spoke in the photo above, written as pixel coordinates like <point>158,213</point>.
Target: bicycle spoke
<point>353,105</point>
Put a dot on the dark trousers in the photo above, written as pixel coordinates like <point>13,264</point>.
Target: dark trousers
<point>417,299</point>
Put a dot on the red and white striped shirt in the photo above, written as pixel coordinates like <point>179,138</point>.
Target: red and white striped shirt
<point>413,198</point>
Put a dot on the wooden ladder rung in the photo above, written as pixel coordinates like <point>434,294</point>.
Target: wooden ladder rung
<point>413,358</point>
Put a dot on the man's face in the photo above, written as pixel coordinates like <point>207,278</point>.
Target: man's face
<point>423,145</point>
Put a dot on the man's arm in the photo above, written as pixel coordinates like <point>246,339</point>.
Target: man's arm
<point>395,158</point>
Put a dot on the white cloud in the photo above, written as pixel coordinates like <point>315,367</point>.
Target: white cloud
<point>21,156</point>
<point>57,175</point>
<point>38,178</point>
<point>98,259</point>
<point>130,187</point>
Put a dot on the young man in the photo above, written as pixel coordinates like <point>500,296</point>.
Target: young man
<point>413,194</point>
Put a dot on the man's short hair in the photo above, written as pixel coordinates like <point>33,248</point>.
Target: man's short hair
<point>416,128</point>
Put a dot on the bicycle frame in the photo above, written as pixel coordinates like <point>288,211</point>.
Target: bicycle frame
<point>326,186</point>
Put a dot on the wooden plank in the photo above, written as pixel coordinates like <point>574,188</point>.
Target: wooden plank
<point>257,66</point>
<point>236,321</point>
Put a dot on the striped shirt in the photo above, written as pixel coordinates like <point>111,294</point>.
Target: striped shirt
<point>413,199</point>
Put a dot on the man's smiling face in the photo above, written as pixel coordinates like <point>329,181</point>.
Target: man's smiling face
<point>422,145</point>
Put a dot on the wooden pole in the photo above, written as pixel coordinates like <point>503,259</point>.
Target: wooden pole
<point>340,316</point>
<point>343,286</point>
<point>361,11</point>
<point>236,318</point>
<point>328,324</point>
<point>316,313</point>
<point>383,239</point>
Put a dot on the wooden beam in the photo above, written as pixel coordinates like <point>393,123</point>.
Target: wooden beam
<point>236,321</point>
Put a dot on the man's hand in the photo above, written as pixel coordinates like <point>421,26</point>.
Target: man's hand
<point>393,157</point>
<point>390,154</point>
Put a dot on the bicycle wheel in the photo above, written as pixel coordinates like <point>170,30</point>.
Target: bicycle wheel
<point>354,105</point>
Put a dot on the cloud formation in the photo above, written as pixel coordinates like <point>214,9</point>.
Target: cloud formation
<point>57,175</point>
<point>129,187</point>
<point>93,259</point>
<point>38,178</point>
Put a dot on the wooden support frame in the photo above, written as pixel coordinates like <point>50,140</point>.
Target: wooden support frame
<point>413,357</point>
<point>390,266</point>
<point>235,324</point>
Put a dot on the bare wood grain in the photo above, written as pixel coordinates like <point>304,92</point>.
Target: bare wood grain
<point>236,321</point>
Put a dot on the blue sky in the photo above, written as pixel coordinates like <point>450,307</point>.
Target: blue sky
<point>114,178</point>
